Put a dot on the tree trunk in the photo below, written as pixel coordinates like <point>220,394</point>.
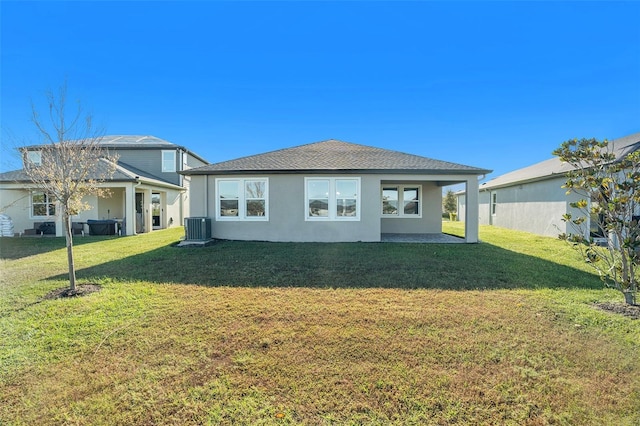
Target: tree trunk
<point>70,261</point>
<point>629,297</point>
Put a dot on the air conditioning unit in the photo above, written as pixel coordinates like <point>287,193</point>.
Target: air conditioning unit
<point>197,228</point>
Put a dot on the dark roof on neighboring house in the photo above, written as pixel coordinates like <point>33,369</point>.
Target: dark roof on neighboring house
<point>135,142</point>
<point>123,173</point>
<point>335,155</point>
<point>553,167</point>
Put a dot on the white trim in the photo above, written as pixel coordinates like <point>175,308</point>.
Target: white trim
<point>332,199</point>
<point>242,200</point>
<point>400,209</point>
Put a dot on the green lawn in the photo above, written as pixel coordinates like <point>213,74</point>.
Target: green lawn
<point>502,332</point>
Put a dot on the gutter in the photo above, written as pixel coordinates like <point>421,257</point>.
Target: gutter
<point>521,182</point>
<point>476,172</point>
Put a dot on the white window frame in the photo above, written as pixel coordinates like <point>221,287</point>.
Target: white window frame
<point>242,200</point>
<point>400,211</point>
<point>332,200</point>
<point>165,162</point>
<point>34,158</point>
<point>49,200</point>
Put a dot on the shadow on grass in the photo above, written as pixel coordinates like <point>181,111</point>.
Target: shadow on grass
<point>19,247</point>
<point>344,265</point>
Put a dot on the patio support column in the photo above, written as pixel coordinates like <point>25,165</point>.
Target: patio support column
<point>130,209</point>
<point>147,211</point>
<point>471,220</point>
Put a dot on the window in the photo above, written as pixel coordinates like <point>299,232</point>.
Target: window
<point>390,200</point>
<point>410,201</point>
<point>168,161</point>
<point>34,158</point>
<point>332,198</point>
<point>494,203</point>
<point>318,198</point>
<point>42,205</point>
<point>242,199</point>
<point>596,222</point>
<point>401,201</point>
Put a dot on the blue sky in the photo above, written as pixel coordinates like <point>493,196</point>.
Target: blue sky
<point>496,85</point>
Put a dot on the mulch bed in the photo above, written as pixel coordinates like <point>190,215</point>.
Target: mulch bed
<point>81,290</point>
<point>631,311</point>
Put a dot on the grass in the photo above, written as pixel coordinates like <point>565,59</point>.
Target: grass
<point>502,332</point>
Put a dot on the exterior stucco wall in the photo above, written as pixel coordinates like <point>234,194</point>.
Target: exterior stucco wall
<point>186,202</point>
<point>15,204</point>
<point>484,213</point>
<point>173,209</point>
<point>110,207</point>
<point>535,207</point>
<point>198,196</point>
<point>287,209</point>
<point>287,215</point>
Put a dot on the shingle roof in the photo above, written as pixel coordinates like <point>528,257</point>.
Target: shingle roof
<point>335,155</point>
<point>136,142</point>
<point>544,170</point>
<point>553,167</point>
<point>128,141</point>
<point>123,173</point>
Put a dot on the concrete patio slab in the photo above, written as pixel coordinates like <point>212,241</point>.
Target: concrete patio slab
<point>421,238</point>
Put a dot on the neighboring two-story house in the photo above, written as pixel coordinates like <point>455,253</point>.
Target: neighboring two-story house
<point>146,191</point>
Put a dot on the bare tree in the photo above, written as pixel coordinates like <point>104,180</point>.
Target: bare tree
<point>608,184</point>
<point>71,164</point>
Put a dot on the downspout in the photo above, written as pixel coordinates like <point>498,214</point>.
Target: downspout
<point>182,217</point>
<point>206,195</point>
<point>183,160</point>
<point>183,153</point>
<point>181,183</point>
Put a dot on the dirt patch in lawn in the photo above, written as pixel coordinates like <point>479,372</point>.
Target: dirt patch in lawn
<point>632,311</point>
<point>81,290</point>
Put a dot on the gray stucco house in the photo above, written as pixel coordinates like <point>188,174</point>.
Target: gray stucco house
<point>532,198</point>
<point>147,191</point>
<point>329,191</point>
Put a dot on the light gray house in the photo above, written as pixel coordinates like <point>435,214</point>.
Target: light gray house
<point>328,191</point>
<point>147,191</point>
<point>532,198</point>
